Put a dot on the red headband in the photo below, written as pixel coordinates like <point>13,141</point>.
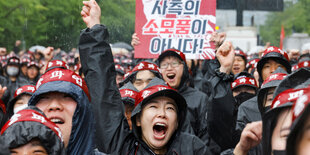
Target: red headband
<point>60,74</point>
<point>181,54</point>
<point>119,67</point>
<point>244,81</point>
<point>27,88</point>
<point>289,95</point>
<point>252,63</point>
<point>304,64</point>
<point>57,64</point>
<point>239,52</point>
<point>276,76</point>
<point>128,93</point>
<point>146,66</point>
<point>32,116</point>
<point>277,50</point>
<point>149,91</point>
<point>33,64</point>
<point>300,105</point>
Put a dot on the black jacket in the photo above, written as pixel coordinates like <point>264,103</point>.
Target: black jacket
<point>248,112</point>
<point>220,116</point>
<point>112,130</point>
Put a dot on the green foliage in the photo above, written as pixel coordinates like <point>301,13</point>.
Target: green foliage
<point>294,18</point>
<point>58,23</point>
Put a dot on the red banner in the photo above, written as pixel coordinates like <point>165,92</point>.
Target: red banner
<point>282,36</point>
<point>185,25</point>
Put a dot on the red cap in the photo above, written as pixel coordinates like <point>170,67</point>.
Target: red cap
<point>127,74</point>
<point>116,60</point>
<point>277,50</point>
<point>33,116</point>
<point>149,91</point>
<point>239,52</point>
<point>304,64</point>
<point>127,61</point>
<point>33,63</point>
<point>59,74</point>
<point>295,67</point>
<point>244,81</point>
<point>25,89</point>
<point>276,76</point>
<point>289,95</point>
<point>128,93</point>
<point>14,60</point>
<point>181,54</point>
<point>119,67</point>
<point>25,60</point>
<point>300,105</point>
<point>146,66</point>
<point>252,63</point>
<point>56,64</point>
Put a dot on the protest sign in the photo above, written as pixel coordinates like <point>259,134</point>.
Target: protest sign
<point>185,25</point>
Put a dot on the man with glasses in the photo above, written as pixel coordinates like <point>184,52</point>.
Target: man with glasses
<point>172,64</point>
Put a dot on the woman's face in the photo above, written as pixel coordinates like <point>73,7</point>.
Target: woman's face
<point>281,130</point>
<point>303,143</point>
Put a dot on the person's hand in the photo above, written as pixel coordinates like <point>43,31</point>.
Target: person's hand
<point>251,136</point>
<point>48,53</point>
<point>2,91</point>
<point>91,13</point>
<point>293,54</point>
<point>218,39</point>
<point>135,40</point>
<point>226,56</point>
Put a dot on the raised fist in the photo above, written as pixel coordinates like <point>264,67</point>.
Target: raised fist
<point>91,13</point>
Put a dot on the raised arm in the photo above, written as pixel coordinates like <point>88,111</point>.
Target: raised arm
<point>221,121</point>
<point>98,68</point>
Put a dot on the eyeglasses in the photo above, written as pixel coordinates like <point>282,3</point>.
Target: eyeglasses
<point>172,64</point>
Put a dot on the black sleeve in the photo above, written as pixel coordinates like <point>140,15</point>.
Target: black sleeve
<point>220,116</point>
<point>99,71</point>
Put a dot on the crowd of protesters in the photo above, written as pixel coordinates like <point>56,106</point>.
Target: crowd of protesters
<point>97,101</point>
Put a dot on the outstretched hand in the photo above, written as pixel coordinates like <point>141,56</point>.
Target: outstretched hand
<point>226,56</point>
<point>91,13</point>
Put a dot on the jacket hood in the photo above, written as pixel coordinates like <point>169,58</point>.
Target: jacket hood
<point>31,123</point>
<point>156,88</point>
<point>271,82</point>
<point>82,133</point>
